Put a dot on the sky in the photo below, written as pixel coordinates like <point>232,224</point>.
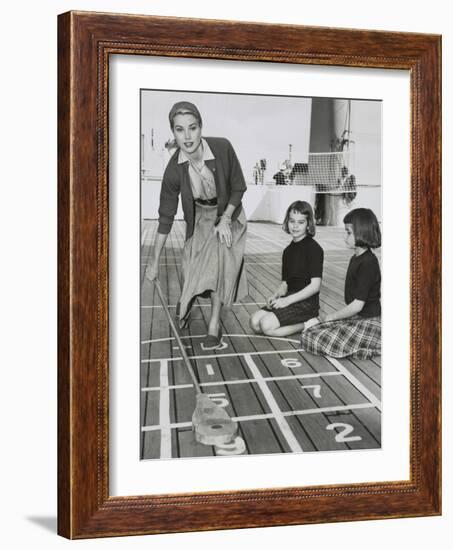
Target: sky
<point>258,126</point>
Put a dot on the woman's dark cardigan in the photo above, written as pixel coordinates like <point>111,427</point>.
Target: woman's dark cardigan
<point>229,180</point>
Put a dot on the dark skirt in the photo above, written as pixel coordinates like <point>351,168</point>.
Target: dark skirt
<point>296,313</point>
<point>357,337</point>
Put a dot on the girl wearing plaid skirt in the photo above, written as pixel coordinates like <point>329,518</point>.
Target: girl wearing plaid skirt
<point>296,300</point>
<point>356,328</point>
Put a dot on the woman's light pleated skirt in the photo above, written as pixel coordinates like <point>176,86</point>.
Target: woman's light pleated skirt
<point>210,266</point>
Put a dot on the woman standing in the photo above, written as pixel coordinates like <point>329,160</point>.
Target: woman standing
<point>208,176</point>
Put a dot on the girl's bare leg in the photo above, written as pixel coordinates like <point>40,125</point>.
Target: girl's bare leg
<point>255,321</point>
<point>270,326</point>
<point>288,330</point>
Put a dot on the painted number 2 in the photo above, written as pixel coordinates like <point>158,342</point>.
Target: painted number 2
<point>343,435</point>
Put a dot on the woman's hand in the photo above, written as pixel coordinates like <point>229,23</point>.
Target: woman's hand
<point>223,231</point>
<point>279,303</point>
<point>152,271</point>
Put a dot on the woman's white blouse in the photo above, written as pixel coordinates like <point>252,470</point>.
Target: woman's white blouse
<point>202,179</point>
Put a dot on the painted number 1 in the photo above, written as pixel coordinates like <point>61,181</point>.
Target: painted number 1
<point>343,436</point>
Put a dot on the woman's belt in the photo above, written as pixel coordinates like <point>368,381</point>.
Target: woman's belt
<point>207,202</point>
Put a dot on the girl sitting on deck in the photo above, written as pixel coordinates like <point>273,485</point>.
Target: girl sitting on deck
<point>356,328</point>
<point>296,300</point>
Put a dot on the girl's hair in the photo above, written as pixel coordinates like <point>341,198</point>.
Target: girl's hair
<point>351,194</point>
<point>365,227</point>
<point>301,207</point>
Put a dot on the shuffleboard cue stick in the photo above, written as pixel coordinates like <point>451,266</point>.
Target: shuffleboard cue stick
<point>211,424</point>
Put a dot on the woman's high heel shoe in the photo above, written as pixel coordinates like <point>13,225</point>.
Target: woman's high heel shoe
<point>184,323</point>
<point>212,342</point>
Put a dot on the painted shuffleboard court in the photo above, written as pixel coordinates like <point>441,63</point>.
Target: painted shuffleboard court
<point>284,399</point>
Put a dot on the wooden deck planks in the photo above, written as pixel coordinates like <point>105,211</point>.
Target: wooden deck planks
<point>369,368</point>
<point>247,399</point>
<point>372,384</point>
<point>353,428</point>
<point>301,434</point>
<point>243,400</point>
<point>315,426</point>
<point>262,436</point>
<point>151,445</point>
<point>267,441</point>
<point>345,391</point>
<point>371,419</point>
<point>189,447</point>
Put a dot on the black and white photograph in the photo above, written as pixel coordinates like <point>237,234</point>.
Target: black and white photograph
<point>192,349</point>
<point>260,316</point>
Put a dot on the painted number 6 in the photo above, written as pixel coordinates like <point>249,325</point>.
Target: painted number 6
<point>343,435</point>
<point>291,363</point>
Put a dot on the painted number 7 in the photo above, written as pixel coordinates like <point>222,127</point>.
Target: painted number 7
<point>316,390</point>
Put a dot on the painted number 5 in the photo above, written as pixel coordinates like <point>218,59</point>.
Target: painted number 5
<point>219,399</point>
<point>343,435</point>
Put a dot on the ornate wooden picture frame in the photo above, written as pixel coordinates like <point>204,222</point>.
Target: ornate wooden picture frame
<point>86,41</point>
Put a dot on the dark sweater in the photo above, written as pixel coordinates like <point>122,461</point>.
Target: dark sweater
<point>302,261</point>
<point>363,282</point>
<point>229,180</point>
